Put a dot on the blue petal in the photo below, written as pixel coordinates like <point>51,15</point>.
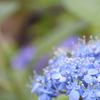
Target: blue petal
<point>44,97</point>
<point>97,64</point>
<point>74,95</point>
<point>97,93</point>
<point>89,98</point>
<point>68,92</point>
<point>95,80</point>
<point>46,91</point>
<point>92,71</point>
<point>81,91</point>
<point>62,79</point>
<point>88,78</point>
<point>61,86</point>
<point>85,94</point>
<point>98,86</point>
<point>69,87</point>
<point>91,94</point>
<point>75,83</point>
<point>84,70</point>
<point>98,78</point>
<point>51,61</point>
<point>39,77</point>
<point>56,75</point>
<point>77,87</point>
<point>35,87</point>
<point>68,70</point>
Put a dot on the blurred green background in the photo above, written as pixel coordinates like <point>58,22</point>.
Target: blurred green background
<point>30,29</point>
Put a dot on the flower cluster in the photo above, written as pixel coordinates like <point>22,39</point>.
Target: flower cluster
<point>77,75</point>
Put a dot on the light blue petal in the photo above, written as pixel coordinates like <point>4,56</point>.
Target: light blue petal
<point>88,98</point>
<point>62,79</point>
<point>97,93</point>
<point>98,78</point>
<point>85,94</point>
<point>74,83</point>
<point>92,71</point>
<point>77,87</point>
<point>81,91</point>
<point>98,86</point>
<point>61,86</point>
<point>44,97</point>
<point>74,95</point>
<point>97,64</point>
<point>35,87</point>
<point>91,94</point>
<point>56,75</point>
<point>46,91</point>
<point>95,80</point>
<point>39,77</point>
<point>88,78</point>
<point>69,87</point>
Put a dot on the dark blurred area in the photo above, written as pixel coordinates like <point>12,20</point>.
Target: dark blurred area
<point>31,29</point>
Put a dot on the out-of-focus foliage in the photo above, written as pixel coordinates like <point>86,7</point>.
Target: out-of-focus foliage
<point>42,24</point>
<point>87,10</point>
<point>7,8</point>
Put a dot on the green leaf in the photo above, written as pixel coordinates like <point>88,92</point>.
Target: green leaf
<point>59,32</point>
<point>61,97</point>
<point>86,9</point>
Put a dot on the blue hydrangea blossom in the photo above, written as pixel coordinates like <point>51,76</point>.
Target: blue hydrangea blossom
<point>77,75</point>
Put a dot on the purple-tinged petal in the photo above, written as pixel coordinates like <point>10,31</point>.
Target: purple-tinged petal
<point>68,42</point>
<point>41,62</point>
<point>21,59</point>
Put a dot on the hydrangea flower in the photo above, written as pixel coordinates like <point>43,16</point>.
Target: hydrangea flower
<point>77,75</point>
<point>21,59</point>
